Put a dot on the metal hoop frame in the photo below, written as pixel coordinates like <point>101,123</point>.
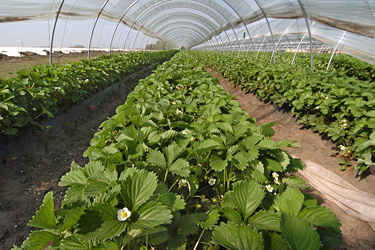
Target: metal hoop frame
<point>203,38</point>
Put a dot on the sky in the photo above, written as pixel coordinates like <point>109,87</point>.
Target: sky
<point>68,33</point>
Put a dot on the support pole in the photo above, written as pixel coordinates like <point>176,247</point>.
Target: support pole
<point>93,28</point>
<point>308,29</point>
<point>299,44</point>
<point>334,51</point>
<point>53,32</point>
<point>247,30</point>
<point>118,23</point>
<point>269,27</point>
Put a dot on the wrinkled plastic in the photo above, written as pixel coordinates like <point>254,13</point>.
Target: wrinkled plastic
<point>343,24</point>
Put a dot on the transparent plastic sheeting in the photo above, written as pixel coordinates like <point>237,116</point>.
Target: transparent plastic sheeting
<point>288,34</point>
<point>353,201</point>
<point>343,24</point>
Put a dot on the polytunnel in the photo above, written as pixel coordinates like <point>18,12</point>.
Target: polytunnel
<point>259,25</point>
<point>202,125</point>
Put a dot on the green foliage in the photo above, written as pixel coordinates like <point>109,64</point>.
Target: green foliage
<point>45,90</point>
<point>180,166</point>
<point>298,233</point>
<point>339,104</point>
<point>290,201</point>
<point>237,237</point>
<point>246,197</point>
<point>45,216</point>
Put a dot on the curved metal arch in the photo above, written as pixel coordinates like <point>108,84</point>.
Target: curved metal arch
<point>269,27</point>
<point>197,28</point>
<point>178,36</point>
<point>93,28</point>
<point>249,32</point>
<point>192,17</point>
<point>209,4</point>
<point>243,22</point>
<point>283,34</point>
<point>197,10</point>
<point>258,30</point>
<point>53,31</point>
<point>226,21</point>
<point>204,31</point>
<point>183,32</point>
<point>181,28</point>
<point>158,3</point>
<point>299,44</point>
<point>181,15</point>
<point>167,17</point>
<point>308,29</point>
<point>174,36</point>
<point>214,29</point>
<point>140,15</point>
<point>119,21</point>
<point>334,50</point>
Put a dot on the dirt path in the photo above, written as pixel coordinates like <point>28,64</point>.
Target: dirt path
<point>25,180</point>
<point>357,234</point>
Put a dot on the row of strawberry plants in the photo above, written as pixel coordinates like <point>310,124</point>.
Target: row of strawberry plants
<point>182,166</point>
<point>45,90</point>
<point>341,107</point>
<point>342,64</point>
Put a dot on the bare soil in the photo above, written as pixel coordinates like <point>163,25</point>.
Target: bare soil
<point>314,147</point>
<point>25,179</point>
<point>10,65</point>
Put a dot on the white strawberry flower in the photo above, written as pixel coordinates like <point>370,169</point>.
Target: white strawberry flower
<point>184,132</point>
<point>212,181</point>
<point>269,188</point>
<point>275,175</point>
<point>342,147</point>
<point>123,214</point>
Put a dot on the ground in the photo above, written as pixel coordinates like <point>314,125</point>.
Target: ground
<point>314,147</point>
<point>24,180</point>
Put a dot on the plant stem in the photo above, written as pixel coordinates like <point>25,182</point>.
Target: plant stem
<point>173,185</point>
<point>202,189</point>
<point>199,239</point>
<point>165,176</point>
<point>225,179</point>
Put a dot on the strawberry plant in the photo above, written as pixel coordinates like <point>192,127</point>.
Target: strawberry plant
<point>339,106</point>
<point>182,166</point>
<point>45,90</point>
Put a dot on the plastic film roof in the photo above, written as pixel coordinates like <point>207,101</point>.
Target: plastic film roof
<point>242,25</point>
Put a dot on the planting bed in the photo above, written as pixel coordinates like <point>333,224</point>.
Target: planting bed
<point>25,181</point>
<point>357,234</point>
